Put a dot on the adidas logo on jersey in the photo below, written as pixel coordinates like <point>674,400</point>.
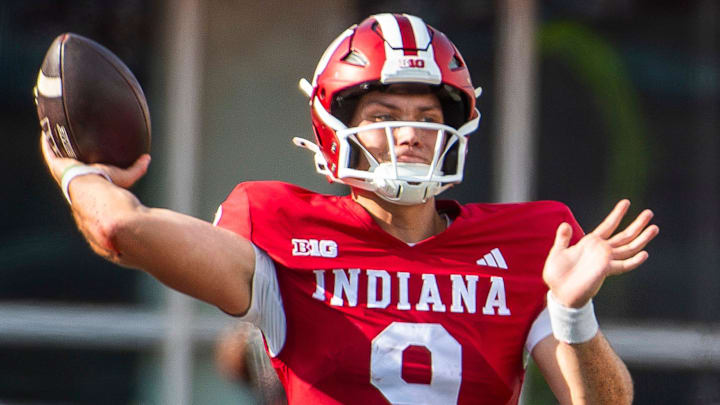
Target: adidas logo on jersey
<point>493,259</point>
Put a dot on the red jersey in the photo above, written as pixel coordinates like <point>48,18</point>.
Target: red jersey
<point>369,319</point>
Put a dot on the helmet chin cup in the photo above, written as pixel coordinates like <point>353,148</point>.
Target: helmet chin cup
<point>387,183</point>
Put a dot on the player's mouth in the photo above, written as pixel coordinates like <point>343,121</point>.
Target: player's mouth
<point>412,158</point>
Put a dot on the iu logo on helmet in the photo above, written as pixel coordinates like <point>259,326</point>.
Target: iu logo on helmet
<point>314,247</point>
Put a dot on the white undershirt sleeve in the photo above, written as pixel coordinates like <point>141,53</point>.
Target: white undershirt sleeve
<point>266,309</point>
<point>539,330</point>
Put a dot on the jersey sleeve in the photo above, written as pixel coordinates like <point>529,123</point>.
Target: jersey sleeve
<point>234,213</point>
<point>266,311</point>
<point>540,329</point>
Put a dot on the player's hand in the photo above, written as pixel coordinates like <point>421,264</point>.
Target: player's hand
<point>124,178</point>
<point>576,273</point>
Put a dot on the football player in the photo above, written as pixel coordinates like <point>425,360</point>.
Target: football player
<point>387,294</point>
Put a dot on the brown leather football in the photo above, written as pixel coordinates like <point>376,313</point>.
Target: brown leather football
<point>90,105</point>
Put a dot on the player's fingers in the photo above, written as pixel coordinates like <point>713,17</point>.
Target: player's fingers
<point>633,247</point>
<point>125,178</point>
<point>56,164</point>
<point>139,168</point>
<point>623,266</point>
<point>562,237</point>
<point>633,230</point>
<point>45,148</point>
<point>48,156</point>
<point>611,222</point>
<point>47,152</point>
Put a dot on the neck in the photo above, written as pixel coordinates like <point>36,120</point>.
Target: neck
<point>409,223</point>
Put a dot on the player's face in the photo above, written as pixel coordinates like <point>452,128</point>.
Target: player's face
<point>412,145</point>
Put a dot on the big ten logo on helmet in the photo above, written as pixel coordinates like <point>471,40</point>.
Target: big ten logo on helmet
<point>418,63</point>
<point>314,247</point>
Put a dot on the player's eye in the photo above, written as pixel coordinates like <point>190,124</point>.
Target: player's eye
<point>433,118</point>
<point>382,117</point>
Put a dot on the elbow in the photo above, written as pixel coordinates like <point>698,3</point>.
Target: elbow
<point>111,231</point>
<point>113,234</point>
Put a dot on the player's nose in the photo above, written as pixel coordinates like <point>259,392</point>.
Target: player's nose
<point>407,135</point>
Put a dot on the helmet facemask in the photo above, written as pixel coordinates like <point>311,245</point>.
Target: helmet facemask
<point>400,182</point>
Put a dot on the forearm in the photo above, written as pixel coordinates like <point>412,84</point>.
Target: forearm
<point>189,255</point>
<point>98,208</point>
<point>589,373</point>
<point>184,253</point>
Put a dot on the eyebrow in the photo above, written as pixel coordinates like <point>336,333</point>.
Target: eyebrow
<point>391,106</point>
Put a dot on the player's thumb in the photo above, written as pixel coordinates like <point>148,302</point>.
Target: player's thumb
<point>562,237</point>
<point>127,177</point>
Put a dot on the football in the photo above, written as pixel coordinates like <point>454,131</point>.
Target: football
<point>90,105</point>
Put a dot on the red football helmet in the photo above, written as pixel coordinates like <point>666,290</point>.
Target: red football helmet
<point>386,49</point>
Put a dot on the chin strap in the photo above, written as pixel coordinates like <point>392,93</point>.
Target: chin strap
<point>403,192</point>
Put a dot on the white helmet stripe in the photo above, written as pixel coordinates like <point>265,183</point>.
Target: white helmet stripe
<point>390,30</point>
<point>422,37</point>
<point>405,60</point>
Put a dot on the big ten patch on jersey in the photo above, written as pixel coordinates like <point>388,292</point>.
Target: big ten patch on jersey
<point>314,247</point>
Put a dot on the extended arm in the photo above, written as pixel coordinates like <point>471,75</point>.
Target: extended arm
<point>584,373</point>
<point>589,372</point>
<point>185,253</point>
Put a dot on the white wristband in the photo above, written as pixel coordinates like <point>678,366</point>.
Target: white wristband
<point>75,171</point>
<point>572,325</point>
